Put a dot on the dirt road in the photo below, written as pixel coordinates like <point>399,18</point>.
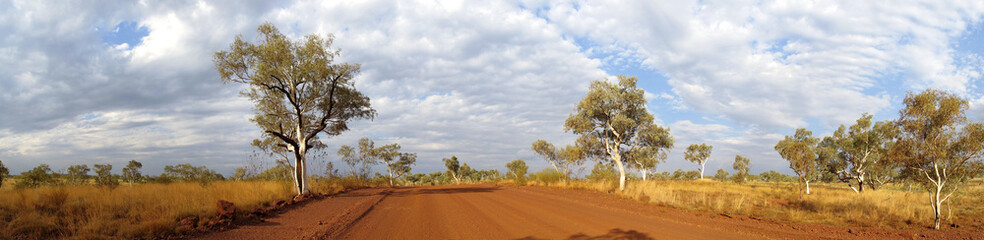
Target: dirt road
<point>507,212</point>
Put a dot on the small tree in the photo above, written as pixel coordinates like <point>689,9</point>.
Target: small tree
<point>4,172</point>
<point>517,169</point>
<point>331,171</point>
<point>36,177</point>
<point>741,168</point>
<point>721,175</point>
<point>564,160</point>
<point>454,168</point>
<point>104,175</point>
<point>860,148</point>
<point>613,124</point>
<point>799,150</point>
<point>938,147</point>
<point>397,164</point>
<point>348,156</point>
<point>239,174</point>
<point>78,175</point>
<point>698,154</point>
<point>131,173</point>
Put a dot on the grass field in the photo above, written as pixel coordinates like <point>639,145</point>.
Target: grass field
<point>893,207</point>
<point>140,211</point>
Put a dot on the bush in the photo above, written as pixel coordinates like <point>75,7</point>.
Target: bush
<point>187,173</point>
<point>104,175</point>
<point>548,175</point>
<point>603,172</point>
<point>721,175</point>
<point>40,175</point>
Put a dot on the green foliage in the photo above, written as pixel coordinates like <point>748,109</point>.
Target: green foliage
<point>239,174</point>
<point>77,175</point>
<point>517,169</point>
<point>188,173</point>
<point>36,177</point>
<point>104,175</point>
<point>721,175</point>
<point>615,126</point>
<point>454,168</point>
<point>4,173</point>
<point>603,172</point>
<point>131,173</point>
<point>800,151</point>
<point>548,175</point>
<point>741,168</point>
<point>698,153</point>
<point>679,174</point>
<point>564,159</point>
<point>773,176</point>
<point>859,151</point>
<point>938,147</point>
<point>298,88</point>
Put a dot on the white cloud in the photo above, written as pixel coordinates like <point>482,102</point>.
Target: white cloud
<point>775,64</point>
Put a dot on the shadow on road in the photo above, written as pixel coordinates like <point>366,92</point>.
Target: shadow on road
<point>612,234</point>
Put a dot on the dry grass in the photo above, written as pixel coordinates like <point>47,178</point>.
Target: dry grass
<point>141,211</point>
<point>892,207</point>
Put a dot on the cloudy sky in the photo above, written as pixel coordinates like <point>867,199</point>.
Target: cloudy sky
<point>85,82</point>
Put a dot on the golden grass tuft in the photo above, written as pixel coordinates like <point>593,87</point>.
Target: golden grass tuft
<point>141,211</point>
<point>892,207</point>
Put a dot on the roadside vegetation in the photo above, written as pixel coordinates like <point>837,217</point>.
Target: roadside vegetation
<point>895,206</point>
<point>41,204</point>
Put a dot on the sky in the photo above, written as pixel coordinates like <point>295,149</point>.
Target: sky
<point>104,82</point>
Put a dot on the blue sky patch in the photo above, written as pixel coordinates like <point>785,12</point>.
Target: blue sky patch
<point>128,32</point>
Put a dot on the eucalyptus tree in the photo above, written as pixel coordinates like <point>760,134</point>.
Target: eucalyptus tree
<point>397,163</point>
<point>613,123</point>
<point>800,151</point>
<point>564,159</point>
<point>517,169</point>
<point>78,174</point>
<point>454,168</point>
<point>937,146</point>
<point>698,153</point>
<point>741,169</point>
<point>131,172</point>
<point>298,88</point>
<point>860,148</point>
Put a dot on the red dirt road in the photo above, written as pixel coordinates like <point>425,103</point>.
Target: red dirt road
<point>506,212</point>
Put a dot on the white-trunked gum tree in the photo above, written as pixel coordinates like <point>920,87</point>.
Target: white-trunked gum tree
<point>299,90</point>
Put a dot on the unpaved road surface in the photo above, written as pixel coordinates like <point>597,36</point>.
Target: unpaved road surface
<point>507,212</point>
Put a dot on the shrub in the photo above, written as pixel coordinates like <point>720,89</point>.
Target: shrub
<point>603,172</point>
<point>104,175</point>
<point>40,175</point>
<point>548,175</point>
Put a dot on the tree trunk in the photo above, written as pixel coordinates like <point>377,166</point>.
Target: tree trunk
<point>300,171</point>
<point>935,198</point>
<point>807,187</point>
<point>702,169</point>
<point>644,174</point>
<point>390,171</point>
<point>621,172</point>
<point>860,183</point>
